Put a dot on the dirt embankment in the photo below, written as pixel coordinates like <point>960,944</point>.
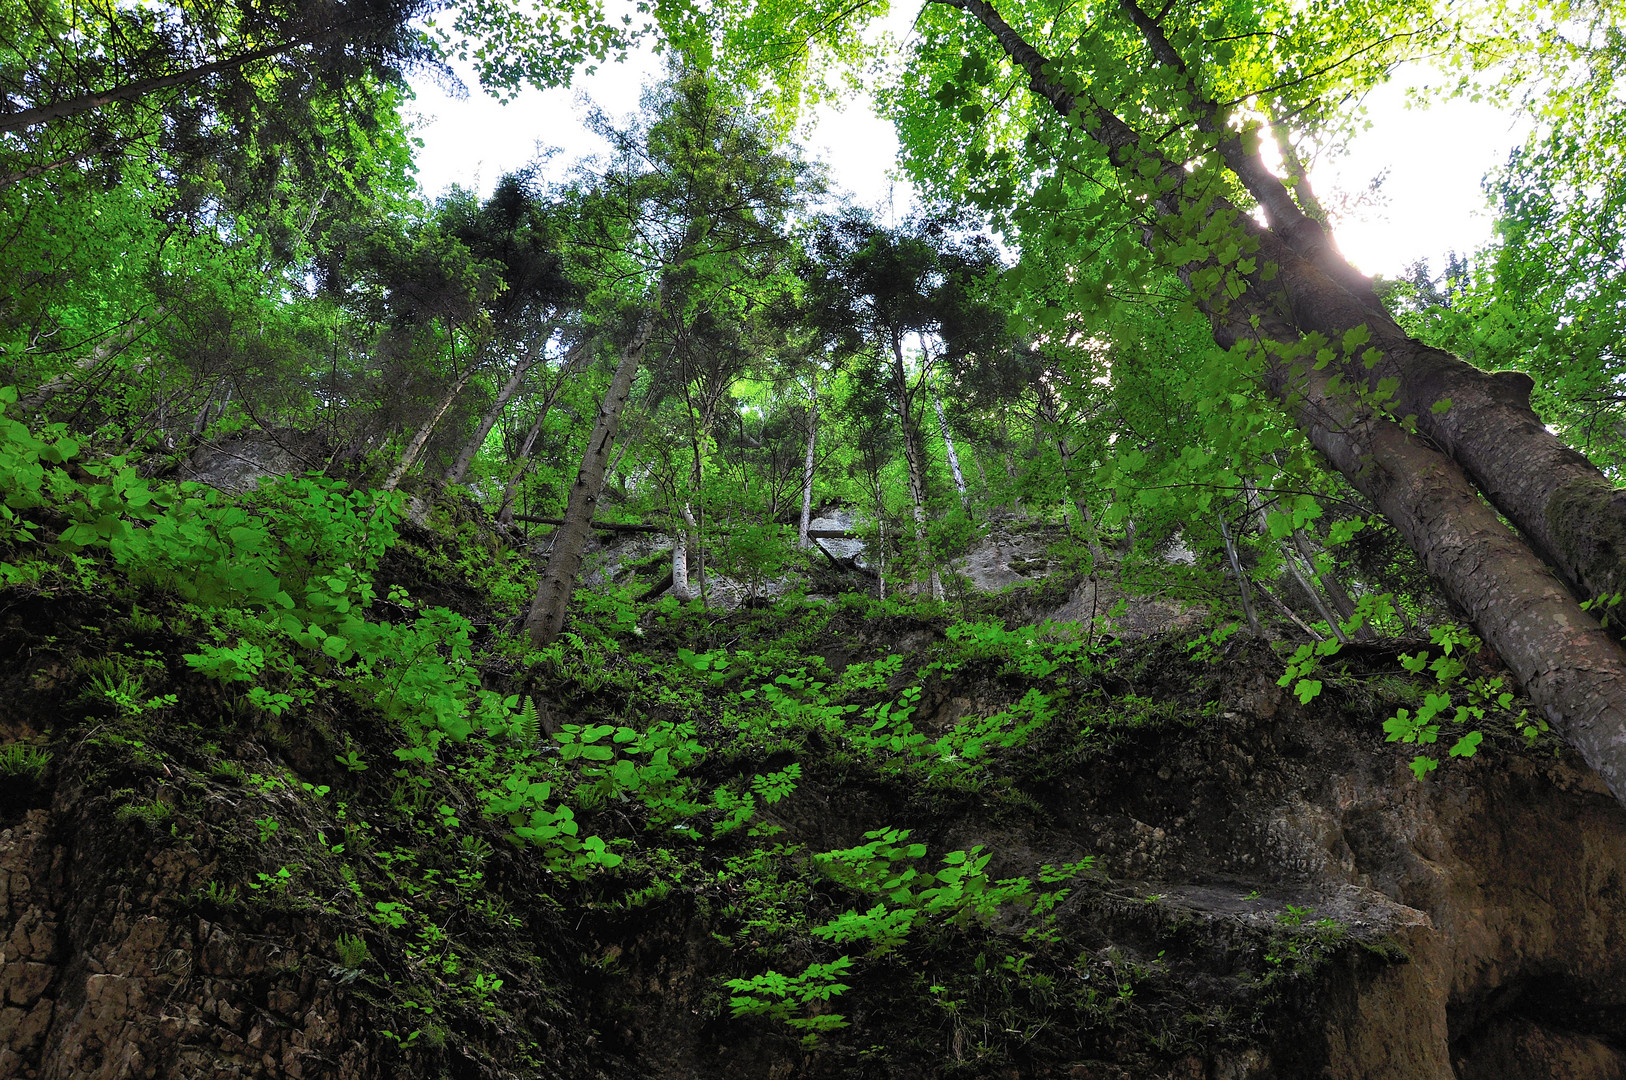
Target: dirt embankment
<point>1275,897</point>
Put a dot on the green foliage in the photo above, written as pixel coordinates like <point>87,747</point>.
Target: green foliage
<point>785,997</point>
<point>25,761</point>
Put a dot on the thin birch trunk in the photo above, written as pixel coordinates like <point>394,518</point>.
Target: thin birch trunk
<point>953,458</point>
<point>420,437</point>
<point>689,536</point>
<point>1243,588</point>
<point>680,565</point>
<point>482,430</point>
<point>807,462</point>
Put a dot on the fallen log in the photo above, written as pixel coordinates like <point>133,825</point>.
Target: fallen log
<point>627,527</point>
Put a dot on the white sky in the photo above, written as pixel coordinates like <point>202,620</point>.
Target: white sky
<point>1431,199</point>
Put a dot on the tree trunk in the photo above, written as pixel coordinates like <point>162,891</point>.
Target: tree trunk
<point>482,430</point>
<point>112,346</point>
<point>912,457</point>
<point>807,462</point>
<point>415,446</point>
<point>505,513</point>
<point>547,613</point>
<point>1570,512</point>
<point>953,458</point>
<point>62,110</point>
<point>1241,578</point>
<point>1566,663</point>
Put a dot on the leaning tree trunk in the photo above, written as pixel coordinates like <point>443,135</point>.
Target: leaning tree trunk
<point>1570,512</point>
<point>807,462</point>
<point>482,430</point>
<point>1567,664</point>
<point>112,346</point>
<point>420,437</point>
<point>912,457</point>
<point>522,460</point>
<point>547,614</point>
<point>1243,590</point>
<point>131,91</point>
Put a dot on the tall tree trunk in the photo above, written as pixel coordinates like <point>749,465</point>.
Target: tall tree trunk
<point>522,460</point>
<point>807,462</point>
<point>1567,664</point>
<point>953,458</point>
<point>912,457</point>
<point>547,613</point>
<point>416,444</point>
<point>1572,514</point>
<point>482,430</point>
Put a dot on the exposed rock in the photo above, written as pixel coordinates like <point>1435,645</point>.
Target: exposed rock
<point>1127,615</point>
<point>238,464</point>
<point>1270,869</point>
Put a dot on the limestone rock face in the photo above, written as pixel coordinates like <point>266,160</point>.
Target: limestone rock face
<point>238,464</point>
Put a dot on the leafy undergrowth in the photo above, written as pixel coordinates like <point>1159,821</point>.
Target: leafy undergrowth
<point>673,842</point>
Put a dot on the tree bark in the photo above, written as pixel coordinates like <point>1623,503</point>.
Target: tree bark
<point>1241,577</point>
<point>415,446</point>
<point>689,536</point>
<point>953,458</point>
<point>802,540</point>
<point>680,565</point>
<point>912,458</point>
<point>547,613</point>
<point>522,460</point>
<point>482,430</point>
<point>1566,663</point>
<point>1572,514</point>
